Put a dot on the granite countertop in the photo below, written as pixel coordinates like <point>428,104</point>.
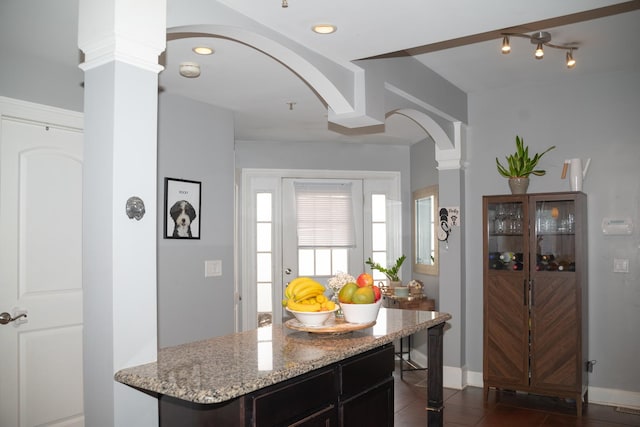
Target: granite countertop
<point>223,368</point>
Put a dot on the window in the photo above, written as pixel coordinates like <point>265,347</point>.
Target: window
<point>379,234</point>
<point>264,257</point>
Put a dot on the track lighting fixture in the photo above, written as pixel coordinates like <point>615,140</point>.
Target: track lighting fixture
<point>540,39</point>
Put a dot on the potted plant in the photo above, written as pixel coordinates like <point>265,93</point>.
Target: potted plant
<point>391,273</point>
<point>520,166</point>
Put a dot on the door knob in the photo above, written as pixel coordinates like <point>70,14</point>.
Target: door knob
<point>6,317</point>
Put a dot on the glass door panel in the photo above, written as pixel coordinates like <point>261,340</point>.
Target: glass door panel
<point>506,225</point>
<point>555,235</point>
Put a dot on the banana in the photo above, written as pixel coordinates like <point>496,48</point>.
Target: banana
<point>296,306</point>
<point>288,292</point>
<point>308,291</point>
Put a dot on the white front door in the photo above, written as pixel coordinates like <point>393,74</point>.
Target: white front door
<point>41,274</point>
<point>320,263</point>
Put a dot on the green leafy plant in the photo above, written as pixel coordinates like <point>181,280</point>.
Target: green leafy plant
<point>519,164</point>
<point>391,273</point>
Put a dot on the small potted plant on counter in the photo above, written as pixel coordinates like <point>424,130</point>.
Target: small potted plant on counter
<point>391,273</point>
<point>520,166</point>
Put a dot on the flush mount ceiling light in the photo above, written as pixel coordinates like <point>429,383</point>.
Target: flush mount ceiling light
<point>203,50</point>
<point>324,28</point>
<point>540,39</point>
<point>190,69</point>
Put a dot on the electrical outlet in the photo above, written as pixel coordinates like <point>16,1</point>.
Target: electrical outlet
<point>213,268</point>
<point>620,265</point>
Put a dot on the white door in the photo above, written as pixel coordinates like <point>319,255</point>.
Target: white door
<point>321,260</point>
<point>40,274</point>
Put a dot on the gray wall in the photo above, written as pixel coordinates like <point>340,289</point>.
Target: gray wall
<point>195,142</point>
<point>593,116</point>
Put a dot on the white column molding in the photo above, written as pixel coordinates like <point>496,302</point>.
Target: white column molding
<point>451,158</point>
<point>112,31</point>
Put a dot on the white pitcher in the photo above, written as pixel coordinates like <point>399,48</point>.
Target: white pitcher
<point>577,174</point>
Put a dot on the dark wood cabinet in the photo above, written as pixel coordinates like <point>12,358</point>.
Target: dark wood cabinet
<point>355,391</point>
<point>535,294</point>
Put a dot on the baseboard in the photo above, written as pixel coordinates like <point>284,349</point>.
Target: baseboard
<point>597,395</point>
<point>614,397</point>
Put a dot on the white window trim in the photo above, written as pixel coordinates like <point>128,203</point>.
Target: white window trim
<point>269,180</point>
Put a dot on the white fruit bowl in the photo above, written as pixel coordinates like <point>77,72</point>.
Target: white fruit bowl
<point>361,313</point>
<point>312,318</point>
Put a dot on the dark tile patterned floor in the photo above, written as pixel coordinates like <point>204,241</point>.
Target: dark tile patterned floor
<point>467,408</point>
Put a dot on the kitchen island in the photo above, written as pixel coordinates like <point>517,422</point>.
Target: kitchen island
<point>277,376</point>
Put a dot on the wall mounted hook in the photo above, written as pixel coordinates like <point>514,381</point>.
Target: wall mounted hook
<point>135,208</point>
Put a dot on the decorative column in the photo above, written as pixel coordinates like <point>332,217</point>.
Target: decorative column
<point>452,259</point>
<point>121,41</point>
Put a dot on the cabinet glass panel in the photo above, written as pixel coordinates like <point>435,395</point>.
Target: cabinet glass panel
<point>506,225</point>
<point>555,223</point>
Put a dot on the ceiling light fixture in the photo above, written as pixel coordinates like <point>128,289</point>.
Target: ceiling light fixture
<point>506,47</point>
<point>570,61</point>
<point>190,69</point>
<point>540,39</point>
<point>203,50</point>
<point>324,28</point>
<point>285,3</point>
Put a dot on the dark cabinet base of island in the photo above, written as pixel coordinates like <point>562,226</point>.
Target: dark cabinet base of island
<point>354,392</point>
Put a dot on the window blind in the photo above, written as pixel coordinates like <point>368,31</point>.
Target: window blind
<point>324,213</point>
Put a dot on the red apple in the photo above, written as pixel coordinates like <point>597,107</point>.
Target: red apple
<point>365,279</point>
<point>377,292</point>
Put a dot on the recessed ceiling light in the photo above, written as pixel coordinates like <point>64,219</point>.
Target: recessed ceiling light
<point>203,50</point>
<point>324,28</point>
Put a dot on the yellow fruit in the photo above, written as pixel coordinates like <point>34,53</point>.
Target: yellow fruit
<point>346,293</point>
<point>294,284</point>
<point>321,298</point>
<point>296,306</point>
<point>363,296</point>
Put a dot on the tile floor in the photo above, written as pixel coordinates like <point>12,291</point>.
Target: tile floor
<point>467,408</point>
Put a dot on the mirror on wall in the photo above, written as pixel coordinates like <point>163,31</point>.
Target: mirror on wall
<point>425,242</point>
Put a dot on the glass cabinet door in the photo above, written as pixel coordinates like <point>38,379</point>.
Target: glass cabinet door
<point>555,226</point>
<point>506,228</point>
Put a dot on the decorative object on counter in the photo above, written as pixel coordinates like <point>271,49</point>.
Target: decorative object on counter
<point>181,209</point>
<point>576,173</point>
<point>520,166</point>
<point>391,273</point>
<point>416,288</point>
<point>135,208</point>
<point>401,291</point>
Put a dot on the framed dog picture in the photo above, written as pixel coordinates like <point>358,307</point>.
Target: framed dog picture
<point>181,209</point>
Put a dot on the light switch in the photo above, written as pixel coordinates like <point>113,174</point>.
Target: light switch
<point>213,268</point>
<point>620,265</point>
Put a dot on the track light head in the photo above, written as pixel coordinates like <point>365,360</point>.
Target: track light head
<point>506,47</point>
<point>571,63</point>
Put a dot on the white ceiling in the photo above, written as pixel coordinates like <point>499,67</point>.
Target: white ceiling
<point>258,89</point>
